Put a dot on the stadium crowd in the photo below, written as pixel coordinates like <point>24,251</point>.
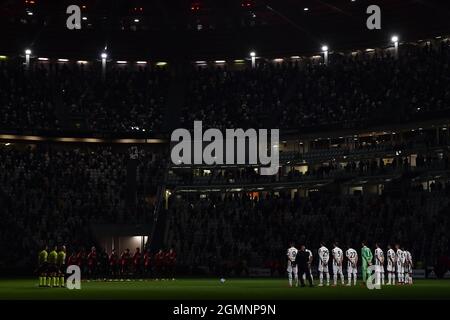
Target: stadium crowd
<point>25,102</point>
<point>352,90</point>
<point>75,97</point>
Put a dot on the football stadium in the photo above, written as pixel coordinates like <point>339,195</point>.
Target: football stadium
<point>224,150</point>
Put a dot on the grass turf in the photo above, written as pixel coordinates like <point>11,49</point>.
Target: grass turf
<point>207,289</point>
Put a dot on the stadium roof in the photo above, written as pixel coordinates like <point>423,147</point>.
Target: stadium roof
<point>154,29</point>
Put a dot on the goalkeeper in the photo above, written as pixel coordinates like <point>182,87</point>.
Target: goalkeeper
<point>367,257</point>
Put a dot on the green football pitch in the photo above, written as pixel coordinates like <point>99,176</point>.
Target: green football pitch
<point>192,289</point>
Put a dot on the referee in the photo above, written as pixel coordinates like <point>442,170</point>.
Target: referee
<point>302,260</point>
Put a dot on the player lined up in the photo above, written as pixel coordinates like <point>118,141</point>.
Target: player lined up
<point>399,262</point>
<point>52,265</point>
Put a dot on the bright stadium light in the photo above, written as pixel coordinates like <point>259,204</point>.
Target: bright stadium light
<point>27,58</point>
<point>325,54</point>
<point>253,56</point>
<point>395,39</point>
<point>104,55</point>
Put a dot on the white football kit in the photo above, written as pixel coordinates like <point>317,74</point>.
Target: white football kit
<point>408,267</point>
<point>391,263</point>
<point>338,257</point>
<point>352,269</point>
<point>324,257</point>
<point>391,260</point>
<point>400,265</point>
<point>292,265</point>
<point>408,261</point>
<point>379,264</point>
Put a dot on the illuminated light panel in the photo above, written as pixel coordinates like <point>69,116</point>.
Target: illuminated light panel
<point>141,62</point>
<point>18,137</point>
<point>129,141</point>
<point>88,140</point>
<point>155,141</point>
<point>82,62</point>
<point>42,59</point>
<point>161,63</point>
<point>220,61</point>
<point>122,62</point>
<point>63,60</point>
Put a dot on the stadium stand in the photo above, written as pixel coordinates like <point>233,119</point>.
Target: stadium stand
<point>75,98</point>
<point>351,91</point>
<point>230,218</point>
